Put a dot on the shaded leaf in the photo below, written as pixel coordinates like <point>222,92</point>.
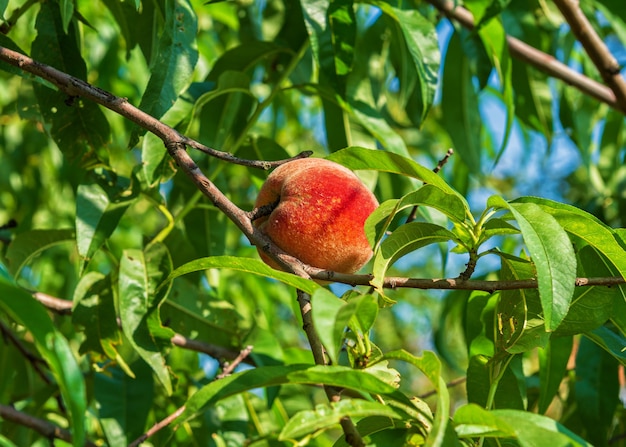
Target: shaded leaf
<point>175,60</point>
<point>55,350</point>
<point>78,127</point>
<point>140,274</point>
<point>28,244</point>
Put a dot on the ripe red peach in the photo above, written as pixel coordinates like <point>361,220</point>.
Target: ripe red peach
<point>320,211</point>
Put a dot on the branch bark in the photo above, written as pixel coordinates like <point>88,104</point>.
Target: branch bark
<point>41,426</point>
<point>538,59</point>
<point>595,48</point>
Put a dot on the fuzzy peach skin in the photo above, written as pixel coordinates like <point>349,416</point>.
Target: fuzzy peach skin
<point>320,216</point>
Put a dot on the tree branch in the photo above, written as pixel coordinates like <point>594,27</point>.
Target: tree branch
<point>34,360</point>
<point>452,283</point>
<point>594,46</point>
<point>538,59</point>
<point>41,426</point>
<point>64,307</point>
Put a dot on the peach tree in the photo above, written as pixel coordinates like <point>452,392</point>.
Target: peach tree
<point>135,136</point>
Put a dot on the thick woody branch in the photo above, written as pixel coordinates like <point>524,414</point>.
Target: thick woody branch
<point>538,59</point>
<point>41,426</point>
<point>594,46</point>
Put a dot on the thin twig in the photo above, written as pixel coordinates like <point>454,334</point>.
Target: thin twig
<point>229,367</point>
<point>41,426</point>
<point>64,307</point>
<point>450,384</point>
<point>538,59</point>
<point>413,214</point>
<point>158,426</point>
<point>34,360</point>
<point>595,48</point>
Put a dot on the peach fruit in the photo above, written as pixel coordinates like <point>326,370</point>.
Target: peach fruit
<point>320,210</point>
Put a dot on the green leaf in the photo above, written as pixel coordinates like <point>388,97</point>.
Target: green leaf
<point>553,256</point>
<point>329,321</point>
<point>520,318</point>
<point>97,214</point>
<point>494,38</point>
<point>510,392</point>
<point>79,127</point>
<point>327,416</point>
<point>596,390</point>
<point>332,32</point>
<point>530,430</point>
<point>357,158</point>
<point>430,366</point>
<point>244,58</point>
<point>609,341</point>
<point>176,57</point>
<point>54,349</point>
<point>188,310</point>
<point>553,359</point>
<point>402,241</point>
<point>459,103</point>
<point>29,244</point>
<point>124,402</point>
<point>331,317</point>
<point>94,309</point>
<point>223,113</point>
<point>139,301</point>
<point>423,56</point>
<point>268,376</point>
<point>253,266</point>
<point>591,306</point>
<point>428,195</point>
<point>67,12</point>
<point>587,227</point>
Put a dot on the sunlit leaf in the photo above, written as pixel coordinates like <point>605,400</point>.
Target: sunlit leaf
<point>552,253</point>
<point>327,416</point>
<point>253,266</point>
<point>404,240</point>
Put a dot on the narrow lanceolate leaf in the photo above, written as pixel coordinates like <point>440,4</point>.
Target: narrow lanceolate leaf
<point>28,244</point>
<point>430,365</point>
<point>328,321</point>
<point>459,102</point>
<point>175,59</point>
<point>357,158</point>
<point>423,56</point>
<point>587,227</point>
<point>78,127</point>
<point>551,250</point>
<point>139,275</point>
<point>97,216</point>
<point>253,266</point>
<point>428,195</point>
<point>327,416</point>
<point>54,349</point>
<point>332,32</point>
<point>267,376</point>
<point>529,429</point>
<point>404,240</point>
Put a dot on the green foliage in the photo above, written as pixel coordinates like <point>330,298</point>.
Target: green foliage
<point>125,291</point>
